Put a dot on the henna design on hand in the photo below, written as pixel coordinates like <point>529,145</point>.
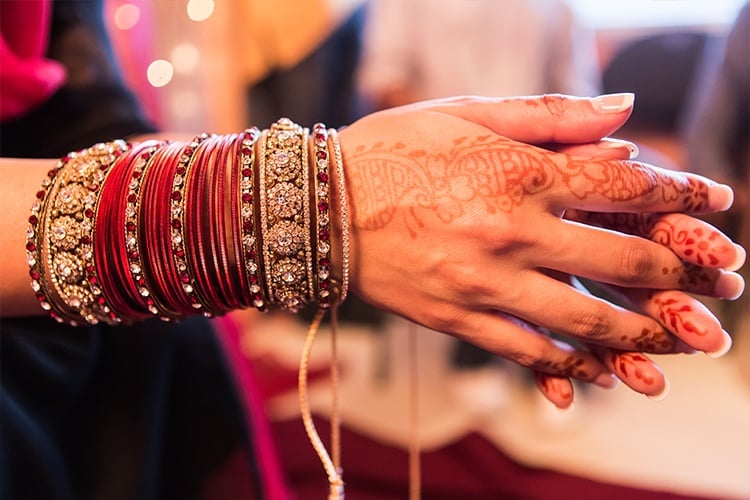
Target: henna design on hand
<point>673,312</point>
<point>630,365</point>
<point>659,341</point>
<point>558,390</point>
<point>571,367</point>
<point>499,172</point>
<point>691,240</point>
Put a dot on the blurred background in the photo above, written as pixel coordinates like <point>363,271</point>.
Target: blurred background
<point>218,66</point>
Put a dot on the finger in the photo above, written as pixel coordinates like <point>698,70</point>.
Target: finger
<point>693,240</point>
<point>636,371</point>
<point>629,186</point>
<point>630,261</point>
<point>606,149</point>
<point>577,315</point>
<point>544,119</point>
<point>557,389</point>
<point>524,344</point>
<point>684,316</point>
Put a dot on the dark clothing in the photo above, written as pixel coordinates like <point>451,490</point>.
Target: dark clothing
<point>147,411</point>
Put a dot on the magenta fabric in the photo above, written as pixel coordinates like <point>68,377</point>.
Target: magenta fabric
<point>249,390</point>
<point>27,78</point>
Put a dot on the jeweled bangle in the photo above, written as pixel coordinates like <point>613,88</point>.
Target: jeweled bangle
<point>247,226</point>
<point>35,238</point>
<point>321,181</point>
<point>285,215</point>
<point>68,255</point>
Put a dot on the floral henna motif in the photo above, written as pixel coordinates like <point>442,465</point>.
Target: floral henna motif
<point>496,171</point>
<point>629,365</point>
<point>675,313</point>
<point>557,389</point>
<point>691,240</point>
<point>652,341</point>
<point>571,367</point>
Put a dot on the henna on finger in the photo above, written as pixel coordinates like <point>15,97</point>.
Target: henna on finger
<point>636,371</point>
<point>693,240</point>
<point>558,390</point>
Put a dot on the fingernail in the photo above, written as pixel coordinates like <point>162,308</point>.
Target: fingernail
<point>607,381</point>
<point>619,143</point>
<point>729,286</point>
<point>663,394</point>
<point>739,260</point>
<point>726,345</point>
<point>614,103</point>
<point>720,197</point>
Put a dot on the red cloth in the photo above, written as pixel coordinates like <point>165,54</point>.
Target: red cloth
<point>471,468</point>
<point>27,79</point>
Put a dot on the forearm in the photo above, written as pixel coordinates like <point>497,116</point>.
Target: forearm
<point>20,179</point>
<point>123,231</point>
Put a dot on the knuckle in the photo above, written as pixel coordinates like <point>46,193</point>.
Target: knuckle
<point>637,264</point>
<point>445,319</point>
<point>531,356</point>
<point>594,322</point>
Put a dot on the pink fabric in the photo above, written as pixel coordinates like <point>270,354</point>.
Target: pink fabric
<point>249,389</point>
<point>27,79</point>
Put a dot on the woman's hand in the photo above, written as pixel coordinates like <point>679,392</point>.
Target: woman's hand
<point>457,225</point>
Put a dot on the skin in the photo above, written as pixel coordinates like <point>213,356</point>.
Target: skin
<point>449,198</point>
<point>458,222</point>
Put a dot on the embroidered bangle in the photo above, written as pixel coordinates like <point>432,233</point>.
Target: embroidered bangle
<point>70,230</point>
<point>343,214</point>
<point>285,222</point>
<point>247,217</point>
<point>319,139</point>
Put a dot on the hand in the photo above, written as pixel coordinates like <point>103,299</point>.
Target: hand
<point>456,223</point>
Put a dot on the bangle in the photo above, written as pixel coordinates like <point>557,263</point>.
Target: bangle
<point>343,214</point>
<point>285,215</point>
<point>247,224</point>
<point>68,231</point>
<point>319,154</point>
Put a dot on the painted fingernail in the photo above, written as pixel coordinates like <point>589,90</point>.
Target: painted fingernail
<point>725,346</point>
<point>607,381</point>
<point>739,260</point>
<point>614,103</point>
<point>663,394</point>
<point>729,286</point>
<point>619,143</point>
<point>720,197</point>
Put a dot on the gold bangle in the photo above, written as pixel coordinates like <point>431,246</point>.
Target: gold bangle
<point>285,215</point>
<point>343,214</point>
<point>67,251</point>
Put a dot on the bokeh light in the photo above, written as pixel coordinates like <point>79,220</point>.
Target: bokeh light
<point>160,72</point>
<point>126,16</point>
<point>200,10</point>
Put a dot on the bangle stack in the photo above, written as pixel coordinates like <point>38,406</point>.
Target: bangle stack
<point>122,232</point>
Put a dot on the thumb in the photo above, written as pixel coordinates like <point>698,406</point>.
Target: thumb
<point>550,118</point>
